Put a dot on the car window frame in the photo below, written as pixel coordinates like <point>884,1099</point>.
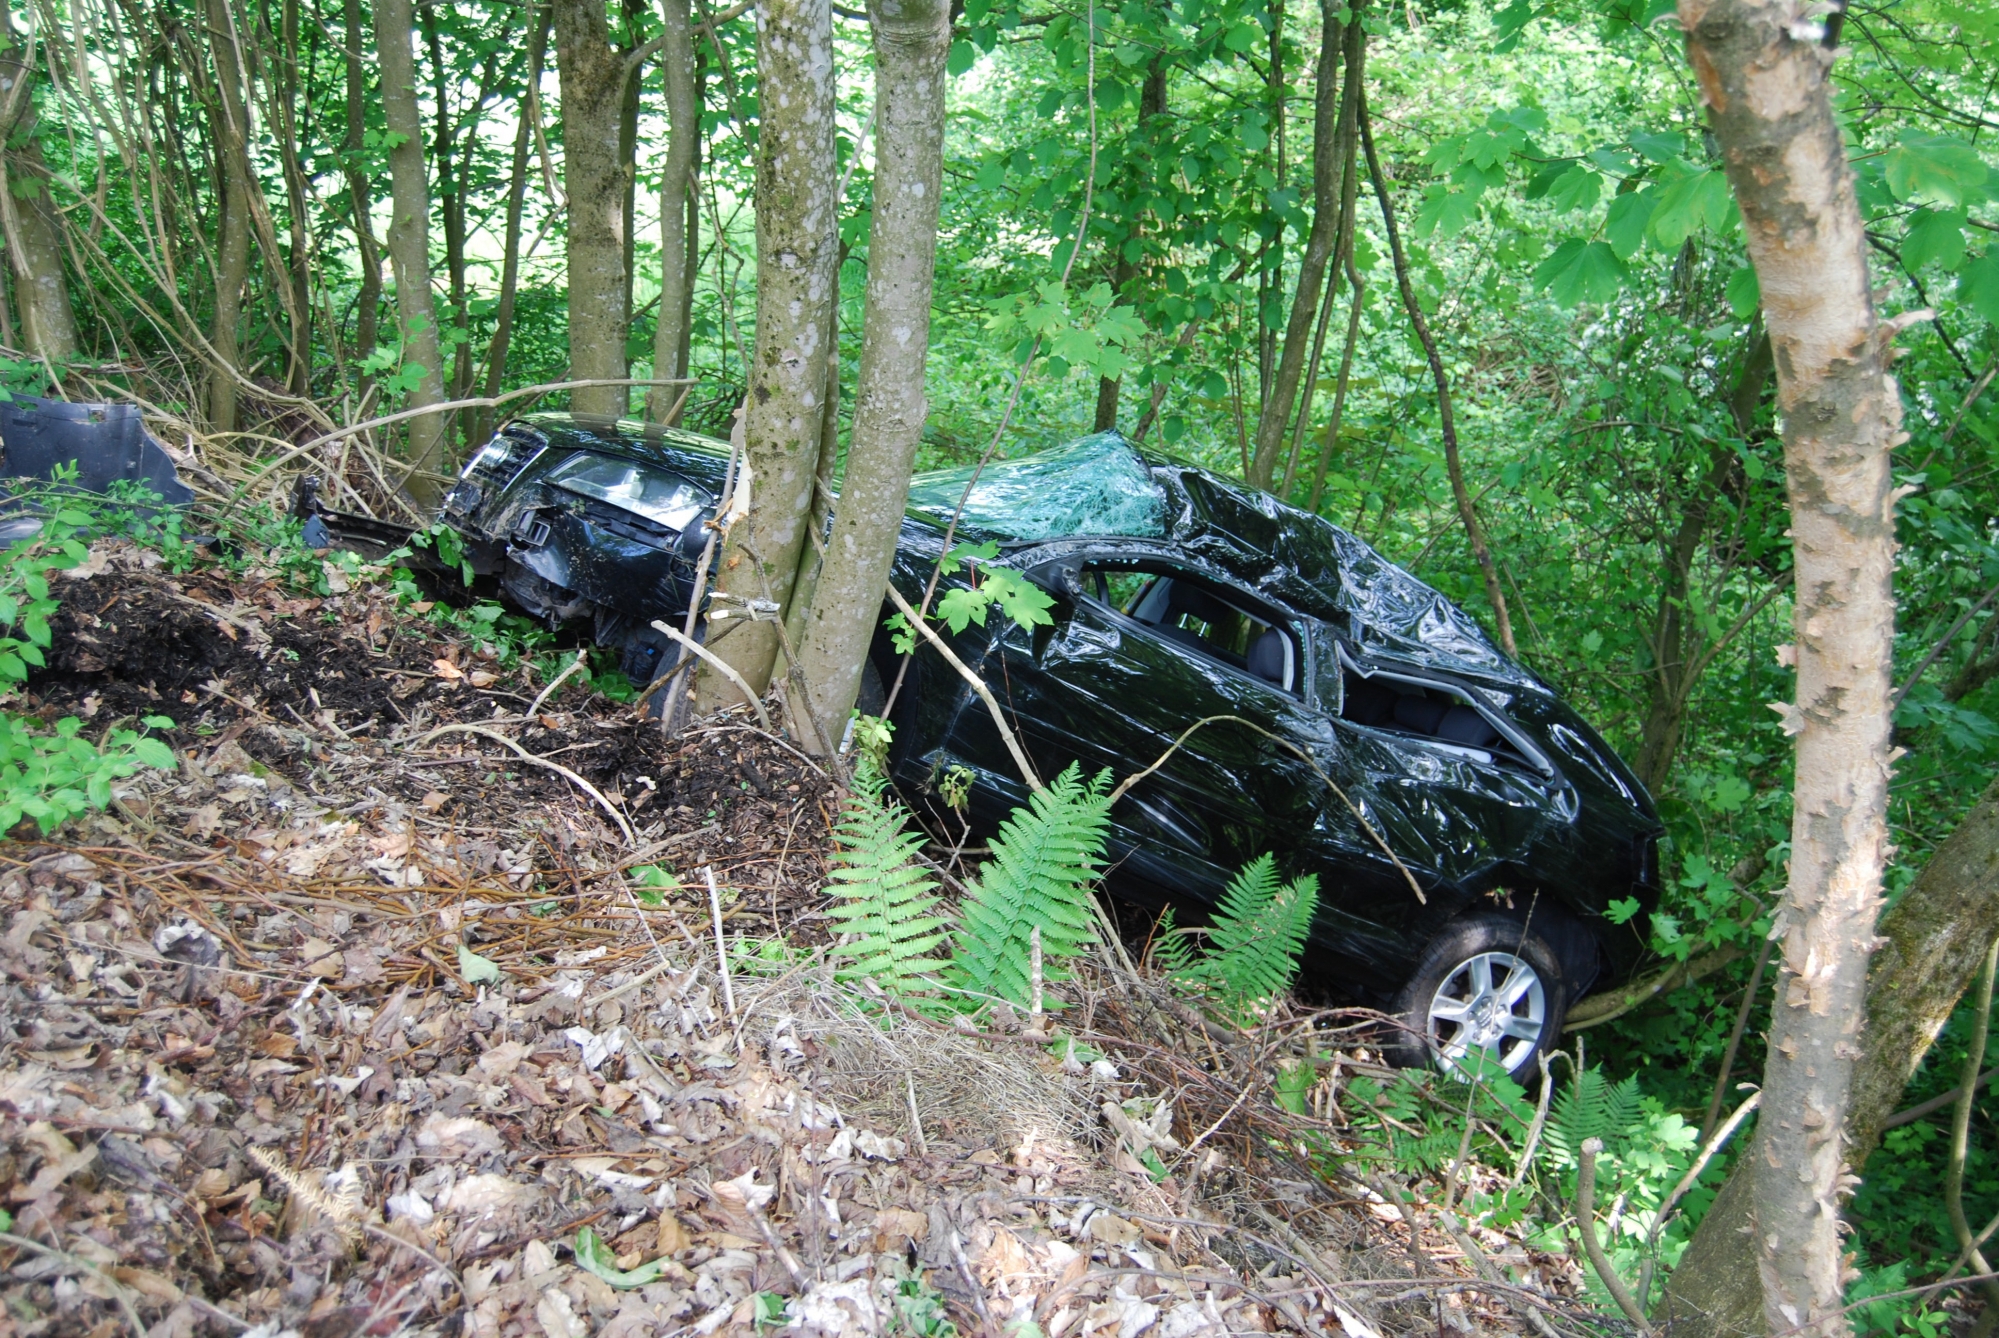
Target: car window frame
<point>1260,608</point>
<point>1538,763</point>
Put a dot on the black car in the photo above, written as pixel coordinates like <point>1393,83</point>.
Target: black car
<point>1470,832</point>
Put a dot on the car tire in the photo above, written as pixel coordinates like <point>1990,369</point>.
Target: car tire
<point>1488,989</point>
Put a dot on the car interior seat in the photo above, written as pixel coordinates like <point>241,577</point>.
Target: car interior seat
<point>1270,658</point>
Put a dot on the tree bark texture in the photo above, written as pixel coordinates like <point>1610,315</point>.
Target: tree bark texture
<point>229,118</point>
<point>1933,942</point>
<point>409,240</point>
<point>797,256</point>
<point>670,342</point>
<point>287,96</point>
<point>1447,422</point>
<point>34,242</point>
<point>593,177</point>
<point>911,41</point>
<point>1763,74</point>
<point>1321,243</point>
<point>360,193</point>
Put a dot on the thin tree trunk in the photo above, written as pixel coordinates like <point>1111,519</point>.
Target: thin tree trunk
<point>1675,639</point>
<point>1321,243</point>
<point>290,96</point>
<point>797,254</point>
<point>1447,419</point>
<point>1151,110</point>
<point>911,39</point>
<point>360,191</point>
<point>231,128</point>
<point>670,342</point>
<point>510,265</point>
<point>34,241</point>
<point>1933,943</point>
<point>1770,107</point>
<point>409,241</point>
<point>593,177</point>
<point>1123,274</point>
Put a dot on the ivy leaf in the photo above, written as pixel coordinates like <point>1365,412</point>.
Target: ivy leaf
<point>962,606</point>
<point>1935,236</point>
<point>1579,271</point>
<point>596,1257</point>
<point>1625,224</point>
<point>1940,168</point>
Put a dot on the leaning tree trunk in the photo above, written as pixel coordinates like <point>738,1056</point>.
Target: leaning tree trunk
<point>1934,942</point>
<point>797,254</point>
<point>912,39</point>
<point>232,260</point>
<point>1328,174</point>
<point>409,241</point>
<point>676,188</point>
<point>34,241</point>
<point>1762,72</point>
<point>593,177</point>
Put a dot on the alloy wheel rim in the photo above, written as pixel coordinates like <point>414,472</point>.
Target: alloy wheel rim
<point>1492,1005</point>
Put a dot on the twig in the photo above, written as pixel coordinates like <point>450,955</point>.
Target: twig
<point>916,1138</point>
<point>720,666</point>
<point>1586,1223</point>
<point>1734,1042</point>
<point>1539,1122</point>
<point>1708,1151</point>
<point>971,1279</point>
<point>119,1292</point>
<point>1487,1270</point>
<point>631,838</point>
<point>978,685</point>
<point>1960,1125</point>
<point>722,953</point>
<point>582,654</point>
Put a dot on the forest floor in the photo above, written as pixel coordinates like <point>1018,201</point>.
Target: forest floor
<point>362,1022</point>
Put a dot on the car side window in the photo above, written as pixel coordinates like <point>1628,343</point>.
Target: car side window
<point>1203,617</point>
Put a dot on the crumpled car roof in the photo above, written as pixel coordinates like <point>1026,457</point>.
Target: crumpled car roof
<point>1103,486</point>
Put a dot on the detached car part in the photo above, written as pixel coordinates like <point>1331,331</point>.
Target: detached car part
<point>1179,596</point>
<point>108,443</point>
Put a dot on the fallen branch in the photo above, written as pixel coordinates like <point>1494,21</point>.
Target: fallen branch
<point>916,621</point>
<point>1586,1223</point>
<point>720,666</point>
<point>1600,1008</point>
<point>631,838</point>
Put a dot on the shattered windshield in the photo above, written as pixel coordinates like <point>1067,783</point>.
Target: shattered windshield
<point>1095,486</point>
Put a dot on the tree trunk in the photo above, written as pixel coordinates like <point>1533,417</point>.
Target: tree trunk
<point>1934,941</point>
<point>1328,173</point>
<point>450,200</point>
<point>797,256</point>
<point>1447,421</point>
<point>911,40</point>
<point>593,177</point>
<point>231,128</point>
<point>409,241</point>
<point>1766,89</point>
<point>517,183</point>
<point>34,239</point>
<point>360,192</point>
<point>670,342</point>
<point>288,97</point>
<point>1676,641</point>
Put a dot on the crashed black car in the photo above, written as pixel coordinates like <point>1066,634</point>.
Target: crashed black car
<point>1469,830</point>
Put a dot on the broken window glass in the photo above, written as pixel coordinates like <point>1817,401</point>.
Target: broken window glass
<point>1095,486</point>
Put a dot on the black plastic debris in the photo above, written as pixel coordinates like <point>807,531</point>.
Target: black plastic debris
<point>108,443</point>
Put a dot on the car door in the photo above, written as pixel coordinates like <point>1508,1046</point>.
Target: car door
<point>1116,681</point>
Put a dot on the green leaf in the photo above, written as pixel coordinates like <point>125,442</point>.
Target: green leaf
<point>1977,288</point>
<point>1698,200</point>
<point>1577,188</point>
<point>1660,148</point>
<point>1935,236</point>
<point>962,606</point>
<point>154,754</point>
<point>963,54</point>
<point>1579,271</point>
<point>158,721</point>
<point>475,969</point>
<point>1942,169</point>
<point>595,1256</point>
<point>1445,212</point>
<point>1625,224</point>
<point>1745,294</point>
<point>1620,911</point>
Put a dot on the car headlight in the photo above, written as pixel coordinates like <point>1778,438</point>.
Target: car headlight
<point>655,494</point>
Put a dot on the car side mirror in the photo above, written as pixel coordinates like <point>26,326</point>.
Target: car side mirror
<point>1062,578</point>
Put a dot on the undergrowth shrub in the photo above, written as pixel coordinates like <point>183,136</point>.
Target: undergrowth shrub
<point>884,903</point>
<point>1255,942</point>
<point>1044,860</point>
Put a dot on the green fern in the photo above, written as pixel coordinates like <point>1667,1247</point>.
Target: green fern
<point>1257,938</point>
<point>1172,950</point>
<point>884,904</point>
<point>1593,1107</point>
<point>1044,859</point>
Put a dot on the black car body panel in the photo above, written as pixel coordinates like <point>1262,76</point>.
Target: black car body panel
<point>1362,708</point>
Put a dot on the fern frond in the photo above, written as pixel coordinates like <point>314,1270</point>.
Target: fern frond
<point>1257,938</point>
<point>1593,1106</point>
<point>1172,952</point>
<point>332,1197</point>
<point>883,902</point>
<point>1044,859</point>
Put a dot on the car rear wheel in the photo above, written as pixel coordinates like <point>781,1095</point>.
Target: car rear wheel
<point>1487,997</point>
